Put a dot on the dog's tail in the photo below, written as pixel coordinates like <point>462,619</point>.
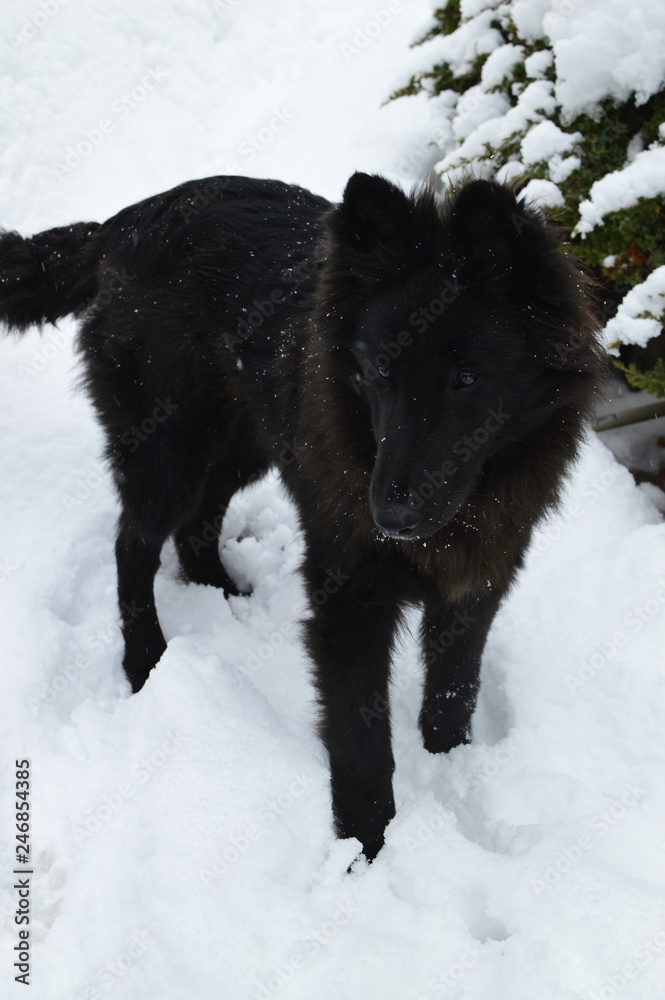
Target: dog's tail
<point>47,276</point>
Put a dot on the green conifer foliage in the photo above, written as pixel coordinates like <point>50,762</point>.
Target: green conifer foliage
<point>626,245</point>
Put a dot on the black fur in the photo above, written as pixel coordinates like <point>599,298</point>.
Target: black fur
<point>419,372</point>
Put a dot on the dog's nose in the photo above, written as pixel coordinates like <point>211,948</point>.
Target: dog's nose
<point>396,520</point>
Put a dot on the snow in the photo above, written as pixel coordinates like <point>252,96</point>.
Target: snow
<point>182,838</point>
<point>546,140</point>
<point>537,64</point>
<point>460,49</point>
<point>500,64</point>
<point>606,48</point>
<point>527,15</point>
<point>642,177</point>
<point>483,120</point>
<point>603,51</point>
<point>639,316</point>
<point>543,193</point>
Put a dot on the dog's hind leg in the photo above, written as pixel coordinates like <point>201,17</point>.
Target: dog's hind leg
<point>168,496</point>
<point>138,560</point>
<point>453,640</point>
<point>161,484</point>
<point>156,496</point>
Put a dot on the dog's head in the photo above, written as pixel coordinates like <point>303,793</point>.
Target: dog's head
<point>465,331</point>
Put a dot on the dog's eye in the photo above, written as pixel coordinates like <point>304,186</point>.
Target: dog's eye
<point>465,378</point>
<point>384,372</point>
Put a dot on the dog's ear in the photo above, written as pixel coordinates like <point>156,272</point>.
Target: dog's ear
<point>374,216</point>
<point>492,234</point>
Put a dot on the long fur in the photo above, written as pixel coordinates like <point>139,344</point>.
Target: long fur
<point>420,372</point>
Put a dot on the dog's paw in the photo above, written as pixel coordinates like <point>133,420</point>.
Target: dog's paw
<point>441,735</point>
<point>141,657</point>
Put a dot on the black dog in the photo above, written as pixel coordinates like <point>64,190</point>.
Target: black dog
<point>420,373</point>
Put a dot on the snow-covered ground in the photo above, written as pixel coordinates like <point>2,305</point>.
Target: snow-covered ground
<point>182,838</point>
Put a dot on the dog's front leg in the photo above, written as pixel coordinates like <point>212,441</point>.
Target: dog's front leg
<point>351,643</point>
<point>453,639</point>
